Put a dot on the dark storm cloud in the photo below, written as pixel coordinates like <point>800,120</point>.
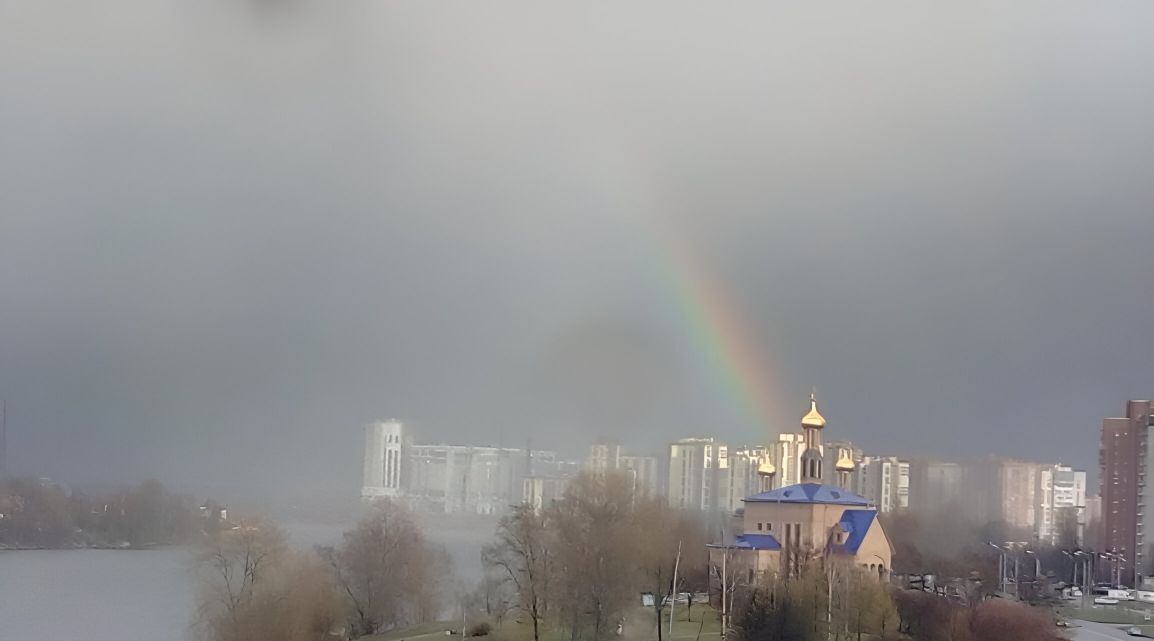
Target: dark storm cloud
<point>234,231</point>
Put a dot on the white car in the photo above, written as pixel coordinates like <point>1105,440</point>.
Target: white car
<point>1105,600</point>
<point>1134,631</point>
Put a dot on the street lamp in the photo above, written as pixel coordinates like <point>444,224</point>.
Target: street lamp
<point>1037,564</point>
<point>1073,567</point>
<point>1001,566</point>
<point>1087,573</point>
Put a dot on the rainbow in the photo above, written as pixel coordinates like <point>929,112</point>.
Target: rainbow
<point>719,332</point>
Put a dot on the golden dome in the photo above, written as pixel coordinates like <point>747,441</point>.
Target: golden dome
<point>814,417</point>
<point>844,464</point>
<point>766,469</point>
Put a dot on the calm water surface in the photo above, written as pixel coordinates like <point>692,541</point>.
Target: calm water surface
<point>95,595</point>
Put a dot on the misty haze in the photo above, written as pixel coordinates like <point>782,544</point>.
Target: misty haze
<point>656,320</point>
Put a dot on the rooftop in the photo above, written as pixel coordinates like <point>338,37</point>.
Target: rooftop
<point>809,493</point>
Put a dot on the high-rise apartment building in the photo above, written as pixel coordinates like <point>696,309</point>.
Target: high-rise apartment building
<point>1018,485</point>
<point>643,470</point>
<point>785,455</point>
<point>936,485</point>
<point>646,472</point>
<point>603,457</point>
<point>1061,506</point>
<point>539,492</point>
<point>885,480</point>
<point>470,479</point>
<point>1092,531</point>
<point>740,477</point>
<point>695,474</point>
<point>384,460</point>
<point>1125,461</point>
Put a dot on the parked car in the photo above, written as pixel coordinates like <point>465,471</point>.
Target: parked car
<point>1134,631</point>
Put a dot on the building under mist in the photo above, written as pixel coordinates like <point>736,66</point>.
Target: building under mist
<point>460,479</point>
<point>385,460</point>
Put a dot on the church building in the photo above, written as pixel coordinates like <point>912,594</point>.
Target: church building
<point>810,519</point>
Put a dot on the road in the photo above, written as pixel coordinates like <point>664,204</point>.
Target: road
<point>1090,631</point>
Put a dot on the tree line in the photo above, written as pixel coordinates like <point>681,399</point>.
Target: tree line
<point>383,575</point>
<point>36,513</point>
<point>580,565</point>
<point>577,567</point>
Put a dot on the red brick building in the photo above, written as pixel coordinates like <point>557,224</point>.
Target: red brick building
<point>1123,462</point>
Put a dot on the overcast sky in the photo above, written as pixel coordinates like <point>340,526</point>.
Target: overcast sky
<point>232,231</point>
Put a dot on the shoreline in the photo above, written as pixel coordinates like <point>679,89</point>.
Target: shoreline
<point>130,548</point>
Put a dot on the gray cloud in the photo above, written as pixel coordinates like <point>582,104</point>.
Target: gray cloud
<point>233,231</point>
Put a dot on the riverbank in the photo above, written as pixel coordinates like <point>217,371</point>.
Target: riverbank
<point>85,546</point>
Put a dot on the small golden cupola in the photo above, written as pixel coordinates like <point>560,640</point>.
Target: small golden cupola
<point>844,467</point>
<point>765,472</point>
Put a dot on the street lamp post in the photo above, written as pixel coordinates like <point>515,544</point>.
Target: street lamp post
<point>1001,566</point>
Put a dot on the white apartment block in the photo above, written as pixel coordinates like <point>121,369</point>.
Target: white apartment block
<point>740,478</point>
<point>384,462</point>
<point>695,474</point>
<point>645,471</point>
<point>1061,506</point>
<point>785,454</point>
<point>885,480</point>
<point>603,457</point>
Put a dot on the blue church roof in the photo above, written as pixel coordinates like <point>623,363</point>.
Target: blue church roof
<point>855,523</point>
<point>809,493</point>
<point>756,542</point>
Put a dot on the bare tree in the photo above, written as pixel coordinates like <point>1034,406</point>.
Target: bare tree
<point>236,562</point>
<point>996,620</point>
<point>255,588</point>
<point>523,554</point>
<point>658,557</point>
<point>493,597</point>
<point>596,553</point>
<point>693,571</point>
<point>386,571</point>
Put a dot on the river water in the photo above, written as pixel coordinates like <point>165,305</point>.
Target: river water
<point>147,595</point>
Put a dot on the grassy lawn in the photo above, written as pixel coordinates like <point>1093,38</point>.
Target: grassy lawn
<point>1109,614</point>
<point>427,630</point>
<point>639,626</point>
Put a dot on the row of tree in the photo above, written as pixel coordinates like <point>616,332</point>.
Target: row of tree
<point>926,617</point>
<point>37,513</point>
<point>579,564</point>
<point>383,575</point>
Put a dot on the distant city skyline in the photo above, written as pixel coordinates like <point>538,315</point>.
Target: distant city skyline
<point>1043,502</point>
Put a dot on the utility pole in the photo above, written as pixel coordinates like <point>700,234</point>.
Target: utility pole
<point>673,587</point>
<point>724,590</point>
